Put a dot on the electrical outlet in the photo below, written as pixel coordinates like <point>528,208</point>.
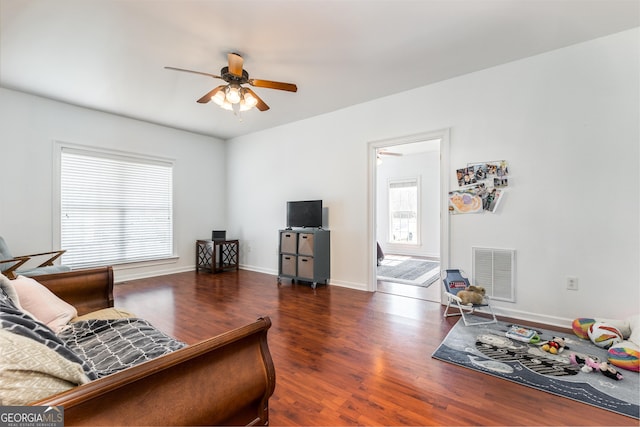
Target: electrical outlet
<point>572,283</point>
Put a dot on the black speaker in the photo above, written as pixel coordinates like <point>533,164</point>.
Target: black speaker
<point>219,235</point>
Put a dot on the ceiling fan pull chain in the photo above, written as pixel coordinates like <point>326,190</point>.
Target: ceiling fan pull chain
<point>236,111</point>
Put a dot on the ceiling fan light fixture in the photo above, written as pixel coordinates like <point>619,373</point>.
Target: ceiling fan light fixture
<point>226,98</point>
<point>234,93</point>
<point>219,97</point>
<point>226,105</point>
<point>248,100</point>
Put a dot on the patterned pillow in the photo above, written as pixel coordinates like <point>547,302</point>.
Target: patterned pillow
<point>20,323</point>
<point>31,371</point>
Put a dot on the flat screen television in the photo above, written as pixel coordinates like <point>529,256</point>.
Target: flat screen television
<point>305,213</point>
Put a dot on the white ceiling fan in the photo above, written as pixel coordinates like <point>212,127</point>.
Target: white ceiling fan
<point>380,152</point>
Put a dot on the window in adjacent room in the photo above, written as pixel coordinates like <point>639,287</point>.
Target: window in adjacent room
<point>114,208</point>
<point>403,211</point>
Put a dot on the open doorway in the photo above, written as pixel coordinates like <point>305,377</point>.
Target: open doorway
<point>408,206</point>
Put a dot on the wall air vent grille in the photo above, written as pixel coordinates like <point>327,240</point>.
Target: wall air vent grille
<point>494,269</point>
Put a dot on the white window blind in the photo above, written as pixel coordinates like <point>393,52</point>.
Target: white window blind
<point>403,211</point>
<point>114,209</point>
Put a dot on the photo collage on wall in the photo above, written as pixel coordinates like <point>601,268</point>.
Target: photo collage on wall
<point>481,187</point>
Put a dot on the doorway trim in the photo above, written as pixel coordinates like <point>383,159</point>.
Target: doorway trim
<point>372,146</point>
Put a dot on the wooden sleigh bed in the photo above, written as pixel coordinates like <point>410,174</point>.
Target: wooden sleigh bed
<point>224,380</point>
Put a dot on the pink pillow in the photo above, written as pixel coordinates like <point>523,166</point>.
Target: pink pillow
<point>43,304</point>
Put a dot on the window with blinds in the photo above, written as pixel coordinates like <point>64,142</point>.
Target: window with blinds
<point>114,208</point>
<point>403,211</point>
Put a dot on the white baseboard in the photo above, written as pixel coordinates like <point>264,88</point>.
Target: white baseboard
<point>350,285</point>
<point>124,275</point>
<point>533,317</point>
<point>259,269</point>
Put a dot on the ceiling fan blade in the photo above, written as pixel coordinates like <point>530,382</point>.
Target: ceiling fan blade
<point>261,104</point>
<point>206,98</point>
<point>388,153</point>
<point>194,72</point>
<point>235,64</point>
<point>273,85</point>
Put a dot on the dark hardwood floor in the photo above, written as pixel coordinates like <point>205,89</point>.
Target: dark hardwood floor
<point>348,357</point>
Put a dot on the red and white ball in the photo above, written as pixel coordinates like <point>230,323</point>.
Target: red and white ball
<point>604,335</point>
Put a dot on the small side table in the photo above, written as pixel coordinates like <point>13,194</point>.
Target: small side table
<point>217,255</point>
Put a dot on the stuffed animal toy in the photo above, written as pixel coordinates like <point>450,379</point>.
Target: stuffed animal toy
<point>625,354</point>
<point>587,364</point>
<point>472,295</point>
<point>555,345</point>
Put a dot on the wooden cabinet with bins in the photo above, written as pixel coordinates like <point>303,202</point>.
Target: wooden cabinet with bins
<point>305,255</point>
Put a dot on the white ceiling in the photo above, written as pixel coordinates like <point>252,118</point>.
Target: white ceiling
<point>109,55</point>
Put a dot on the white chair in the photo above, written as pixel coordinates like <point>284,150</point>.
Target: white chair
<point>454,282</point>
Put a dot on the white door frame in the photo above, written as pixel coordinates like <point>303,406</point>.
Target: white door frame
<point>443,135</point>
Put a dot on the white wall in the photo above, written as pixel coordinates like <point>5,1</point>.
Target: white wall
<point>28,127</point>
<point>567,122</point>
<point>425,167</point>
